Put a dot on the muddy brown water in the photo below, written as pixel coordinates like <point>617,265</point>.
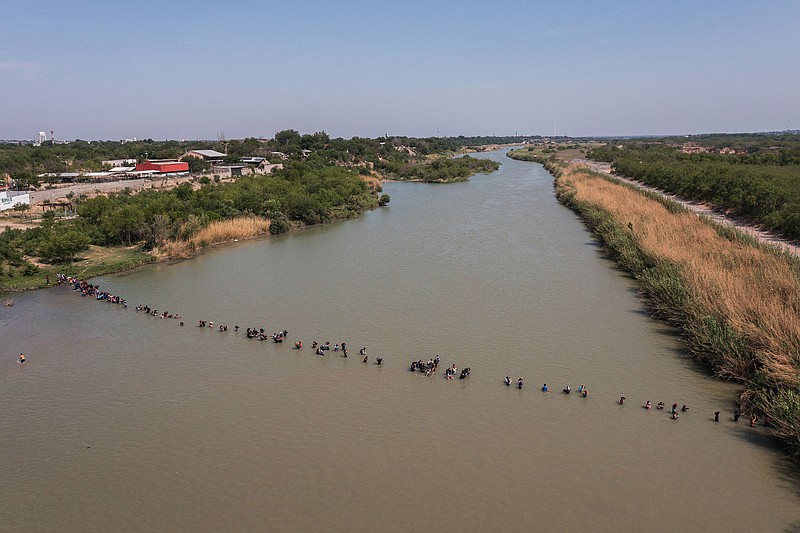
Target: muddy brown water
<point>124,422</point>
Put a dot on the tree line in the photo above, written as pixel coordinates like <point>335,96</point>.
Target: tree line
<point>442,170</point>
<point>321,181</point>
<point>760,182</point>
<point>25,162</point>
<point>303,193</point>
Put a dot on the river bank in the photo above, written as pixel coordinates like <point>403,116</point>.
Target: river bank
<point>493,274</point>
<point>102,260</point>
<point>700,208</point>
<point>96,261</point>
<point>301,195</point>
<point>166,239</point>
<point>735,301</point>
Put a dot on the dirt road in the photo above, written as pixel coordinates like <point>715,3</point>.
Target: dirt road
<point>702,209</point>
<point>92,189</point>
<point>9,219</point>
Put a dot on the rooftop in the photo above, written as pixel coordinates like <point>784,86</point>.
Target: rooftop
<point>207,153</point>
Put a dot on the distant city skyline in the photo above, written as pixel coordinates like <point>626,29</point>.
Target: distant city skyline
<point>196,70</point>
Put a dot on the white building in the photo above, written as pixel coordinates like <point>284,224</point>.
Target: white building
<point>205,155</point>
<point>119,162</point>
<point>9,199</point>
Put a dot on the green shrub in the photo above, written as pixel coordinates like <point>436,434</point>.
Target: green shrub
<point>29,269</point>
<point>279,224</point>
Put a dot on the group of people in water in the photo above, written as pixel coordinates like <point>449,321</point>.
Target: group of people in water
<point>583,391</point>
<point>89,289</point>
<point>154,312</point>
<point>660,407</point>
<point>261,334</point>
<point>427,368</point>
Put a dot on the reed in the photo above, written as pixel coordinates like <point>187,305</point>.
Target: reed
<point>228,230</point>
<point>736,302</point>
<point>216,232</point>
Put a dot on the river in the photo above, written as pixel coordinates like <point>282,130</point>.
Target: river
<point>126,422</point>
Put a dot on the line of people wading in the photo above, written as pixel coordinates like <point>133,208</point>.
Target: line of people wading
<point>427,368</point>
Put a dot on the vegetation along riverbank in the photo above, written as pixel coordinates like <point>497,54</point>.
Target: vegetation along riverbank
<point>322,180</point>
<point>735,302</point>
<point>444,170</point>
<point>750,176</point>
<point>182,221</point>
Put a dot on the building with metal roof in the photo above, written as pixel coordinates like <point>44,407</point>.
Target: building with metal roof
<point>206,155</point>
<point>162,166</point>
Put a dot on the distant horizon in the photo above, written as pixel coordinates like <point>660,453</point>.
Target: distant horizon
<point>226,139</point>
<point>192,70</point>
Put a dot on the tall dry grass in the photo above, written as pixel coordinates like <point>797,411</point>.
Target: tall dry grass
<point>754,290</point>
<point>228,230</point>
<point>739,301</point>
<point>216,232</point>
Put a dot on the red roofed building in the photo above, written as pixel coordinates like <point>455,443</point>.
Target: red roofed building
<point>163,166</point>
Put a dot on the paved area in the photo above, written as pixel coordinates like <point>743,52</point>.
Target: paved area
<point>92,189</point>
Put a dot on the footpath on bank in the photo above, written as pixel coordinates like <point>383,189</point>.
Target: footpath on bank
<point>703,209</point>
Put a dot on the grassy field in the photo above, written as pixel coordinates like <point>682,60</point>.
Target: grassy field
<point>736,303</point>
<point>95,261</point>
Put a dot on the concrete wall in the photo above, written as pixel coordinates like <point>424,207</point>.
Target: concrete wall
<point>9,199</point>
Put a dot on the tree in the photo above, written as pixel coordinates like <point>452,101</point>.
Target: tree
<point>22,208</point>
<point>29,269</point>
<point>278,224</point>
<point>24,179</point>
<point>288,140</point>
<point>63,247</point>
<point>123,223</point>
<point>314,141</point>
<point>197,165</point>
<point>158,229</point>
<point>48,219</point>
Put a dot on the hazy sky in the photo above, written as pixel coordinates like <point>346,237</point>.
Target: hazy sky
<point>194,70</point>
